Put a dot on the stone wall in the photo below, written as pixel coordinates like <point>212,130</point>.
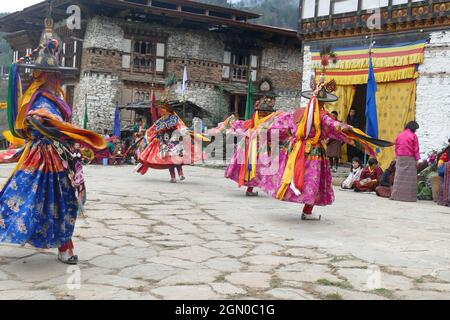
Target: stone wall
<point>99,81</point>
<point>283,80</point>
<point>282,57</point>
<point>288,101</point>
<point>195,45</point>
<point>99,92</point>
<point>209,98</point>
<point>308,72</point>
<point>284,65</point>
<point>104,33</point>
<point>433,94</point>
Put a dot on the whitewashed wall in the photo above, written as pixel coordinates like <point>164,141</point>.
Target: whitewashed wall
<point>433,93</point>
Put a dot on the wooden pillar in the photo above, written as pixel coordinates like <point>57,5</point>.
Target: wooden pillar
<point>409,10</point>
<point>390,10</point>
<point>300,16</point>
<point>359,13</point>
<point>316,13</point>
<point>330,18</point>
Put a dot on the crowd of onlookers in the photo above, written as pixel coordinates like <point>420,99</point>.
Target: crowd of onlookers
<point>408,178</point>
<point>120,150</point>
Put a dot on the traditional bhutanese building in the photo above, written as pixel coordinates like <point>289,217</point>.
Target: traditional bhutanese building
<point>410,55</point>
<point>125,49</point>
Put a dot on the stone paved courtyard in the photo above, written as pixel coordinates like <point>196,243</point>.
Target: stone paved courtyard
<point>144,238</point>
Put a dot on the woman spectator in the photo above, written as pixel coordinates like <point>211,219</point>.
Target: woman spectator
<point>384,190</point>
<point>106,136</point>
<point>444,173</point>
<point>334,148</point>
<point>370,177</point>
<point>352,120</point>
<point>407,155</point>
<point>355,174</point>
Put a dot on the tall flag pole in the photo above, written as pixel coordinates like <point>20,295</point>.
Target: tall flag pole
<point>371,101</point>
<point>85,119</point>
<point>249,104</point>
<point>153,108</point>
<point>184,87</point>
<point>116,130</point>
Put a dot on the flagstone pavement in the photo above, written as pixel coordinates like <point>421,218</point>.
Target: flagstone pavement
<point>144,238</point>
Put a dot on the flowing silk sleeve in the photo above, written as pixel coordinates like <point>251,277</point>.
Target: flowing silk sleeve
<point>67,131</point>
<point>285,125</point>
<point>229,126</point>
<point>331,129</point>
<point>10,155</point>
<point>237,127</point>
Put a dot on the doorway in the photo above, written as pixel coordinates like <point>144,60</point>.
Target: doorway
<point>238,105</point>
<point>359,104</point>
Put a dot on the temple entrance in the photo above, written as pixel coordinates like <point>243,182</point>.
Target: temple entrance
<point>359,104</point>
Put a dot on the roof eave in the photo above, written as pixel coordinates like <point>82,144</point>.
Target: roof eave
<point>5,21</point>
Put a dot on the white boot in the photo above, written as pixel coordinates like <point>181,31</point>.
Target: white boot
<point>311,217</point>
<point>67,258</point>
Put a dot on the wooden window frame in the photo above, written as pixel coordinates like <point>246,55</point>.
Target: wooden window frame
<point>72,54</point>
<point>150,56</point>
<point>236,71</point>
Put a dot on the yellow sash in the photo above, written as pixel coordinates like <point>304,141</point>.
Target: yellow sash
<point>302,142</point>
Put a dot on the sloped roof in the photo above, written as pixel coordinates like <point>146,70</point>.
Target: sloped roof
<point>31,17</point>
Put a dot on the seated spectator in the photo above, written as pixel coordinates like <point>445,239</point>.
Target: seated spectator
<point>139,128</point>
<point>355,174</point>
<point>111,145</point>
<point>370,177</point>
<point>117,156</point>
<point>106,136</point>
<point>384,190</point>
